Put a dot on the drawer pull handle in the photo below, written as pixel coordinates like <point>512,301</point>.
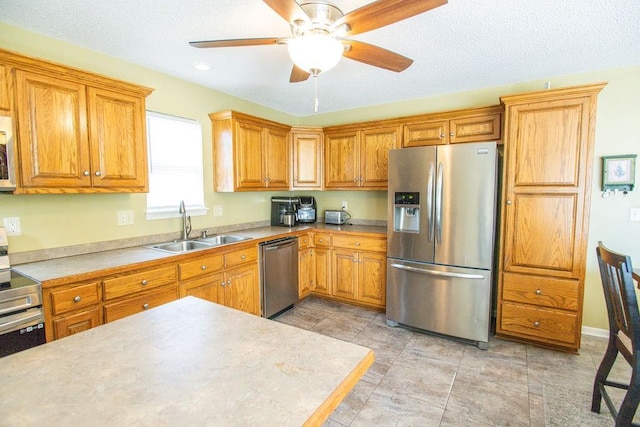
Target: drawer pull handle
<point>538,292</point>
<point>78,298</point>
<point>144,282</point>
<point>536,323</point>
<point>204,267</point>
<point>86,173</point>
<point>145,306</point>
<point>229,282</point>
<point>243,257</point>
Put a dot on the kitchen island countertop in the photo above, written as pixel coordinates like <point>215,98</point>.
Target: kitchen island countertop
<point>189,362</point>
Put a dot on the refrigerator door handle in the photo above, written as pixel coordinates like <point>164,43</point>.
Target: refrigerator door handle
<point>439,184</point>
<point>430,201</point>
<point>437,273</point>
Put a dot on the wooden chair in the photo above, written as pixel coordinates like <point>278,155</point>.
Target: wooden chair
<point>624,335</point>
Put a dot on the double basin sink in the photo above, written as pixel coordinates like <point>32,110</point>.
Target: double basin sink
<point>180,246</point>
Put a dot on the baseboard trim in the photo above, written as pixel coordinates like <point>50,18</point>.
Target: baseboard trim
<point>595,332</point>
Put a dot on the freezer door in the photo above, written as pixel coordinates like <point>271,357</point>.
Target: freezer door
<point>446,300</point>
<point>465,204</point>
<point>410,227</point>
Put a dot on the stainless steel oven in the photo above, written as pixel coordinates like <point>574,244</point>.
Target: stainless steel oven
<point>21,314</point>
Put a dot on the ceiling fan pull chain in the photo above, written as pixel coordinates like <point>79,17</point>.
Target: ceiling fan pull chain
<point>315,93</point>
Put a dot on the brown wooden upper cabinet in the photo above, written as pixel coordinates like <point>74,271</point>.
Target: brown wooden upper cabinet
<point>5,103</point>
<point>76,132</point>
<point>472,125</point>
<point>306,145</point>
<point>358,157</point>
<point>249,153</point>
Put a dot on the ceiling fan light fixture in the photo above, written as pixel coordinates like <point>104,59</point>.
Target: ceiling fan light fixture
<point>315,53</point>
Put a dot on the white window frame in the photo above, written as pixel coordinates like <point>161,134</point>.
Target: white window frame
<point>194,207</point>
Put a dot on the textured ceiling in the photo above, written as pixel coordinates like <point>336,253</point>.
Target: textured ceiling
<point>463,45</point>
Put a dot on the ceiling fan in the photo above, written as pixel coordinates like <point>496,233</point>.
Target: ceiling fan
<point>319,29</point>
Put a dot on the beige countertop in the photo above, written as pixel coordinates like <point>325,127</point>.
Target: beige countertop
<point>189,362</point>
<point>79,265</point>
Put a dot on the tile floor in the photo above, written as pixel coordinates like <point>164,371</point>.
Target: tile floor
<point>425,380</point>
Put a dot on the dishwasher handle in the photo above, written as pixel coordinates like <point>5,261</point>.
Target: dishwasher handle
<point>279,244</point>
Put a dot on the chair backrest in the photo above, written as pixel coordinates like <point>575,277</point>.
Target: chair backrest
<point>620,296</point>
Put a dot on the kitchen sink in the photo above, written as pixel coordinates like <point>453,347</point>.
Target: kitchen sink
<point>181,246</point>
<point>222,239</point>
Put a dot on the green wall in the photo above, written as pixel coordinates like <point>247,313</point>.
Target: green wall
<point>50,221</point>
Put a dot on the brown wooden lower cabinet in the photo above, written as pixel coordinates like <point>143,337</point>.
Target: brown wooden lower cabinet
<point>118,310</point>
<point>208,288</point>
<point>72,324</point>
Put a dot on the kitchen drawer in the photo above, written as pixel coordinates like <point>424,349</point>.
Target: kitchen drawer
<point>240,256</point>
<point>138,304</point>
<point>360,243</point>
<point>539,322</point>
<point>74,298</point>
<point>543,291</point>
<point>304,241</point>
<point>201,266</point>
<point>322,240</point>
<point>69,325</point>
<point>144,280</point>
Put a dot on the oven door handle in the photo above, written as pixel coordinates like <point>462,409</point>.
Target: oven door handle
<point>28,303</point>
<point>26,317</point>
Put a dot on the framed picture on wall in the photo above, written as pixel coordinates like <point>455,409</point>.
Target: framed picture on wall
<point>618,172</point>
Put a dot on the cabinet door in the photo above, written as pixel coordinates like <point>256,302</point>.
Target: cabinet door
<point>341,160</point>
<point>276,157</point>
<point>372,278</point>
<point>69,325</point>
<point>52,138</point>
<point>306,272</point>
<point>475,128</point>
<point>433,132</point>
<point>5,103</point>
<point>307,160</point>
<point>322,258</point>
<point>545,181</point>
<point>249,164</point>
<point>241,289</point>
<point>208,288</point>
<point>374,155</point>
<point>118,141</point>
<point>345,273</point>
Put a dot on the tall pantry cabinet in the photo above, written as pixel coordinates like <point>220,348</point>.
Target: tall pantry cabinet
<point>549,139</point>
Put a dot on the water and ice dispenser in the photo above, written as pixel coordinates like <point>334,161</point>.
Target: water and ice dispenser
<point>406,212</point>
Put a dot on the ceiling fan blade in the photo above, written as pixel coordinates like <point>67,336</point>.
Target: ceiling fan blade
<point>288,9</point>
<point>298,75</point>
<point>237,42</point>
<point>376,56</point>
<point>384,12</point>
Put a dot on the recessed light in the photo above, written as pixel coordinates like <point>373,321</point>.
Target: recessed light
<point>201,65</point>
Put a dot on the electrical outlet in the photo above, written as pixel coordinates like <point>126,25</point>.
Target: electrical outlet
<point>634,214</point>
<point>125,217</point>
<point>217,210</point>
<point>12,226</point>
<point>344,205</point>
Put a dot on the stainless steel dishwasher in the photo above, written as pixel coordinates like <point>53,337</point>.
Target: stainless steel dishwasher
<point>279,275</point>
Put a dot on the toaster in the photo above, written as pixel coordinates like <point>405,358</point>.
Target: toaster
<point>335,217</point>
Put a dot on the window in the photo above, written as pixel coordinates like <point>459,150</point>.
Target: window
<point>175,166</point>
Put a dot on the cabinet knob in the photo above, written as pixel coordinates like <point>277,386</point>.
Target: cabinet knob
<point>357,243</point>
<point>355,179</point>
<point>536,323</point>
<point>321,240</point>
<point>355,260</point>
<point>243,257</point>
<point>85,173</point>
<point>442,135</point>
<point>144,282</point>
<point>229,282</point>
<point>204,267</point>
<point>77,298</point>
<point>452,134</point>
<point>145,306</point>
<point>98,173</point>
<point>538,292</point>
<point>222,283</point>
<point>508,202</point>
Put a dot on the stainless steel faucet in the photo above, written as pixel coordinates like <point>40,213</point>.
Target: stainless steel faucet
<point>186,221</point>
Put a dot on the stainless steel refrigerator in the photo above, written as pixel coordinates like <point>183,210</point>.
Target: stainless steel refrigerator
<point>441,236</point>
